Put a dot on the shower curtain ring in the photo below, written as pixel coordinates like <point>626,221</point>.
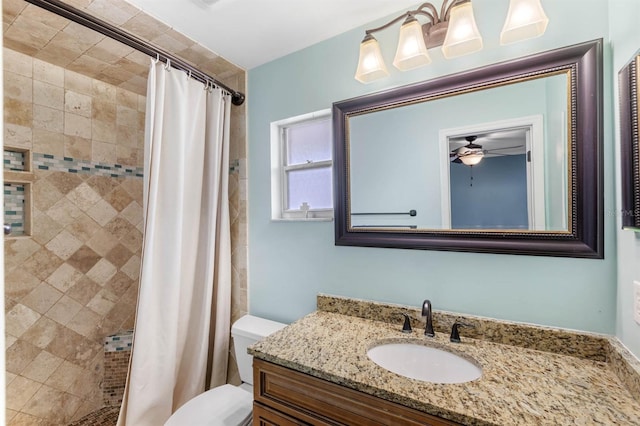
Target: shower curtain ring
<point>157,58</point>
<point>168,65</point>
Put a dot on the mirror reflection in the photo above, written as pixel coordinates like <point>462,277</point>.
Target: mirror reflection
<point>628,78</point>
<point>492,159</point>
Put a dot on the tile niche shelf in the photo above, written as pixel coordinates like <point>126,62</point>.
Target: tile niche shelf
<point>18,178</point>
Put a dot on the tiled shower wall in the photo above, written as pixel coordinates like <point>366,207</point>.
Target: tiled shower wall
<point>74,281</point>
<point>238,188</point>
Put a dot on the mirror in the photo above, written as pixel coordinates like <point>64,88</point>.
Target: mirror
<point>630,143</point>
<point>502,159</point>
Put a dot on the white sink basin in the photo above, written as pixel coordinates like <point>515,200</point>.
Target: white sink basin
<point>424,363</point>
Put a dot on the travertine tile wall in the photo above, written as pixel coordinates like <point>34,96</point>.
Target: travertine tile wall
<point>238,188</point>
<point>43,35</point>
<point>74,281</point>
<point>54,366</point>
<point>40,34</point>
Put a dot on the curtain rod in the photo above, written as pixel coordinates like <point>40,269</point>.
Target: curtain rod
<point>106,29</point>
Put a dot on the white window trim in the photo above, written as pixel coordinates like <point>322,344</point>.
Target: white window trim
<point>278,171</point>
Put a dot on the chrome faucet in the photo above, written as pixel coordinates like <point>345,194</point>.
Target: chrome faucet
<point>426,312</point>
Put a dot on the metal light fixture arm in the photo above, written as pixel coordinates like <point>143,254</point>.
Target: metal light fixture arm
<point>429,11</point>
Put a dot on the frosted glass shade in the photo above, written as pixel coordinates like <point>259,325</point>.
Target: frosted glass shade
<point>463,36</point>
<point>525,19</point>
<point>411,52</point>
<point>370,64</point>
<point>472,159</point>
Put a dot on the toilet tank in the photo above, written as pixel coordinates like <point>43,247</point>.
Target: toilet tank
<point>245,332</point>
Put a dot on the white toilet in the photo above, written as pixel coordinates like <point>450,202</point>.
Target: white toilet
<point>229,405</point>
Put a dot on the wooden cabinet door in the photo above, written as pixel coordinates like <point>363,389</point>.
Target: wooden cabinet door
<point>312,401</point>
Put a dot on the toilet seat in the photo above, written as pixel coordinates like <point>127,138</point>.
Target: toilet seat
<point>226,405</point>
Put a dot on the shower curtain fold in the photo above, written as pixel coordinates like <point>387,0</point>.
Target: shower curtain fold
<point>181,336</point>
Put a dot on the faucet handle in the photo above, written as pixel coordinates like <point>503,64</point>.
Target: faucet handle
<point>455,335</point>
<point>406,328</point>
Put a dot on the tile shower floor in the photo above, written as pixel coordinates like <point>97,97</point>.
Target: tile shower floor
<point>107,416</point>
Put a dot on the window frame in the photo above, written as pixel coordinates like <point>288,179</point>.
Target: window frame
<point>280,170</point>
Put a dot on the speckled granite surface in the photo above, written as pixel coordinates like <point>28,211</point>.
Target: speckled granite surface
<point>523,383</point>
<point>584,345</point>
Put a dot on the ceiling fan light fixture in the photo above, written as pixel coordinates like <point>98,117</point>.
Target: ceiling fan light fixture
<point>525,19</point>
<point>472,159</point>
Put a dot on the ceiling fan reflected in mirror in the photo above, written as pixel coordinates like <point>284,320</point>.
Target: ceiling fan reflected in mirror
<point>470,153</point>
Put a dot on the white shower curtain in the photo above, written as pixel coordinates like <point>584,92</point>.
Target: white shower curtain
<point>184,302</point>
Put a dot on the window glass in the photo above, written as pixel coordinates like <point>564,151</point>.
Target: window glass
<point>302,167</point>
<point>311,186</point>
<point>309,142</point>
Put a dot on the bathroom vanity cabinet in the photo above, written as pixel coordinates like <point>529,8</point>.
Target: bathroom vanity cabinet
<point>284,397</point>
<point>317,371</point>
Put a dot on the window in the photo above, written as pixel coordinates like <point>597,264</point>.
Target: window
<point>301,167</point>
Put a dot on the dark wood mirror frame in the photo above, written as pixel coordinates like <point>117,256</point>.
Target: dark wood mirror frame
<point>585,236</point>
<point>630,143</point>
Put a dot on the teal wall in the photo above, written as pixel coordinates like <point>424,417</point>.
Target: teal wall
<point>625,41</point>
<point>289,263</point>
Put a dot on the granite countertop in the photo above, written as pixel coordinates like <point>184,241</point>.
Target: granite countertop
<point>519,385</point>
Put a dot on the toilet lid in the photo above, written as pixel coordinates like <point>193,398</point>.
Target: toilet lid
<point>225,405</point>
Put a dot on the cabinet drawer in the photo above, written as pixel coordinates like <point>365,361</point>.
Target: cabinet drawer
<point>265,416</point>
<point>319,402</point>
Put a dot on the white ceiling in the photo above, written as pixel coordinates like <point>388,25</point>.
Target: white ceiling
<point>249,33</point>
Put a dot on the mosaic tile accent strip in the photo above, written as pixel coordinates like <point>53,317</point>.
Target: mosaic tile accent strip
<point>14,213</point>
<point>14,161</point>
<point>234,166</point>
<point>119,342</point>
<point>106,416</point>
<point>116,367</point>
<point>71,165</point>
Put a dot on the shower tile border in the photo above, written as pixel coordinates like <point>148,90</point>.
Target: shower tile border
<point>119,342</point>
<point>72,165</point>
<point>14,160</point>
<point>51,162</point>
<point>14,207</point>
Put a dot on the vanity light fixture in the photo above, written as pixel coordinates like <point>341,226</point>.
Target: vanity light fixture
<point>454,28</point>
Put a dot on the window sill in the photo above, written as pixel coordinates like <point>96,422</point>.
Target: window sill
<point>302,219</point>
